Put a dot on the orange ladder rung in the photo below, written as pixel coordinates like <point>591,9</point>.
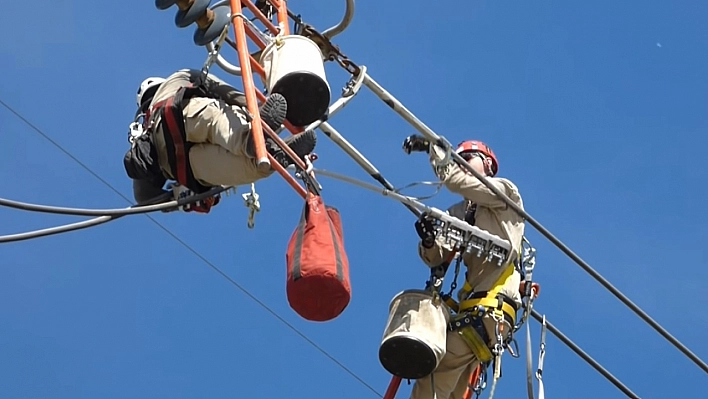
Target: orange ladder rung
<point>253,97</point>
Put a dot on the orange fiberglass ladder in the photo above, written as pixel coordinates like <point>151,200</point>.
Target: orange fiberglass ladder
<point>274,17</point>
<point>211,23</point>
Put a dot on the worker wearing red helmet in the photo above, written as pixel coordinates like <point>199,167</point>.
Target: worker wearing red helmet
<point>485,280</point>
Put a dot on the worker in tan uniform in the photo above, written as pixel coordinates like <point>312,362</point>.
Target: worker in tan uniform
<point>196,131</point>
<point>488,286</point>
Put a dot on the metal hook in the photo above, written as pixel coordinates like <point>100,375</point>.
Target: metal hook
<point>251,200</point>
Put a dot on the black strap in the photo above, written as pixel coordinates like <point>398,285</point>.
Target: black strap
<point>500,297</point>
<point>471,213</point>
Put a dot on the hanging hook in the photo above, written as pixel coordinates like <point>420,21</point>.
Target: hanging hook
<point>253,205</point>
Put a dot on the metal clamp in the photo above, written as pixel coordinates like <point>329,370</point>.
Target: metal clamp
<point>251,201</point>
<point>474,240</point>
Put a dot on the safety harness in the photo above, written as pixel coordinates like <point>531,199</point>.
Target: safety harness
<point>171,116</point>
<point>470,311</point>
<point>468,321</point>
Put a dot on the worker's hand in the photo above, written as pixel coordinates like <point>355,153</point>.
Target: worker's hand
<point>201,206</point>
<point>425,230</point>
<point>415,143</point>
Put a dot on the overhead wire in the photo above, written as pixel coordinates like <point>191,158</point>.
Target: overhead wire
<point>193,251</point>
<point>445,144</point>
<point>112,214</point>
<point>106,215</point>
<point>584,265</point>
<point>583,355</point>
<point>400,109</point>
<point>133,210</point>
<point>159,203</point>
<point>413,203</point>
<point>57,230</point>
<point>62,149</point>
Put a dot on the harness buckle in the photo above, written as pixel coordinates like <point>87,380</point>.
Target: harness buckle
<point>471,329</point>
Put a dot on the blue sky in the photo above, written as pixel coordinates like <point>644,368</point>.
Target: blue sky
<point>595,110</point>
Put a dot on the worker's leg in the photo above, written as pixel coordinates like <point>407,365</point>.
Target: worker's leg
<point>449,372</point>
<point>464,381</point>
<point>215,122</point>
<point>213,165</point>
<point>207,120</point>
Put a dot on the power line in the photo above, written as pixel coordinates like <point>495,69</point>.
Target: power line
<point>196,253</point>
<point>409,117</point>
<point>62,149</point>
<point>574,347</point>
<point>120,212</point>
<point>585,266</point>
<point>583,355</point>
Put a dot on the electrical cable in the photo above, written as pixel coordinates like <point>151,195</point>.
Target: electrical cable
<point>394,104</point>
<point>56,230</point>
<point>200,256</point>
<point>134,210</point>
<point>584,265</point>
<point>597,366</point>
<point>592,362</point>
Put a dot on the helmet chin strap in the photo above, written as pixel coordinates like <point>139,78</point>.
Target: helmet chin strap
<point>488,167</point>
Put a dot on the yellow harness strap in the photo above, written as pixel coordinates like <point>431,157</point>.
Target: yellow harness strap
<point>474,341</point>
<point>489,301</point>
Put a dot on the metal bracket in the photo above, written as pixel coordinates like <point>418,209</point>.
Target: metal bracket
<point>474,240</point>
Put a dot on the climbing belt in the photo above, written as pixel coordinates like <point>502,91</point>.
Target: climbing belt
<point>468,322</point>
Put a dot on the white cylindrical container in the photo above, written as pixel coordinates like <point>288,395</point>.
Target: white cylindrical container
<point>414,341</point>
<point>294,67</point>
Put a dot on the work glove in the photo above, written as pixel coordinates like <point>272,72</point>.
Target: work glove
<point>201,206</point>
<point>205,205</point>
<point>425,230</point>
<point>415,143</point>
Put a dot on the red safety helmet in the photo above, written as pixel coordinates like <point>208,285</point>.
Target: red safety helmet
<point>471,146</point>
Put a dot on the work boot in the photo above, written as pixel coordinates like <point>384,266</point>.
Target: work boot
<point>301,144</point>
<point>272,113</point>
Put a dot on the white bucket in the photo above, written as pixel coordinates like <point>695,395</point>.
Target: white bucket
<point>414,341</point>
<point>294,67</point>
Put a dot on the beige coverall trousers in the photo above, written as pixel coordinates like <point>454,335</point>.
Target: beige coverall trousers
<point>452,375</point>
<point>219,133</point>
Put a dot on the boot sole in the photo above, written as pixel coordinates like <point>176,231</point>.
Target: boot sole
<point>274,110</point>
<point>303,143</point>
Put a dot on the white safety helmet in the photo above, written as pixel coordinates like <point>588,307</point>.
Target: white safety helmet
<point>147,84</point>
